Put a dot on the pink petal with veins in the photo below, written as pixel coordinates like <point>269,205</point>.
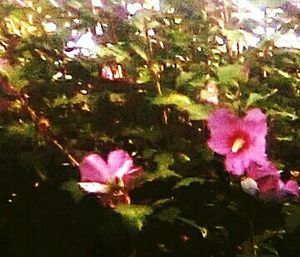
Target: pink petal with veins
<point>94,169</point>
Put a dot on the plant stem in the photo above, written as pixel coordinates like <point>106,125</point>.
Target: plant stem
<point>155,73</point>
<point>252,242</point>
<point>46,131</point>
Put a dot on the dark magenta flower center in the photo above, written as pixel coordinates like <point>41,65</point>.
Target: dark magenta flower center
<point>239,141</point>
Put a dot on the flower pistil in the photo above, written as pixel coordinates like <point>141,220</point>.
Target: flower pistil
<point>238,144</point>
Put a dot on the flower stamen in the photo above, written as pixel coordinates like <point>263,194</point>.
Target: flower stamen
<point>237,145</point>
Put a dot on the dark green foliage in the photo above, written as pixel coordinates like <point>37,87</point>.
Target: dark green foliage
<point>184,203</point>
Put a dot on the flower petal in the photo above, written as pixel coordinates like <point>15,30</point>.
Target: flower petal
<point>257,171</point>
<point>291,187</point>
<point>236,163</point>
<point>222,123</point>
<point>94,169</point>
<point>92,187</point>
<point>269,185</point>
<point>256,123</point>
<point>257,151</point>
<point>120,163</point>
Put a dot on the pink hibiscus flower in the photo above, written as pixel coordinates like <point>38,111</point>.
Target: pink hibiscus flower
<point>241,140</point>
<point>107,73</point>
<point>264,181</point>
<point>107,177</point>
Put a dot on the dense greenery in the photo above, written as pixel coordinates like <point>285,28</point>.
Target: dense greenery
<point>145,87</point>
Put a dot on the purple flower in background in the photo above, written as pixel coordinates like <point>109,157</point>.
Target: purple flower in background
<point>103,177</point>
<point>291,187</point>
<point>264,181</point>
<point>256,171</point>
<point>241,140</point>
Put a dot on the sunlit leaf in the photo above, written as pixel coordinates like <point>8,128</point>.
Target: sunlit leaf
<point>161,174</point>
<point>144,75</point>
<point>173,99</point>
<point>253,98</point>
<point>192,223</point>
<point>184,103</point>
<point>22,129</point>
<point>230,73</point>
<point>184,78</point>
<point>161,202</point>
<point>287,138</point>
<point>284,114</point>
<point>134,215</point>
<point>197,111</point>
<point>164,160</point>
<point>140,52</point>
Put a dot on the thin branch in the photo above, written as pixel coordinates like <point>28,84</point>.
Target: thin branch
<point>43,126</point>
<point>149,62</point>
<point>252,242</point>
<point>155,73</point>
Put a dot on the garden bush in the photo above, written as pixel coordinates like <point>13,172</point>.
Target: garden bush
<point>128,129</point>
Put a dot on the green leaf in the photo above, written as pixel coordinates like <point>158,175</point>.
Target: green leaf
<point>261,244</point>
<point>134,215</point>
<point>60,101</point>
<point>141,52</point>
<point>285,138</point>
<point>187,181</point>
<point>184,103</point>
<point>115,52</point>
<point>172,214</point>
<point>193,224</point>
<point>184,78</point>
<point>161,202</point>
<point>284,114</point>
<point>183,157</point>
<point>21,129</point>
<point>230,73</point>
<point>161,174</point>
<point>151,134</point>
<point>169,215</point>
<point>164,160</point>
<point>253,98</point>
<point>117,98</point>
<point>173,99</point>
<point>148,153</point>
<point>198,111</point>
<point>144,75</point>
<point>74,189</point>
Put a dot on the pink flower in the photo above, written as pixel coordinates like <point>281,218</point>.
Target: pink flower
<point>264,180</point>
<point>107,73</point>
<point>107,177</point>
<point>112,72</point>
<point>241,140</point>
<point>256,171</point>
<point>291,188</point>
